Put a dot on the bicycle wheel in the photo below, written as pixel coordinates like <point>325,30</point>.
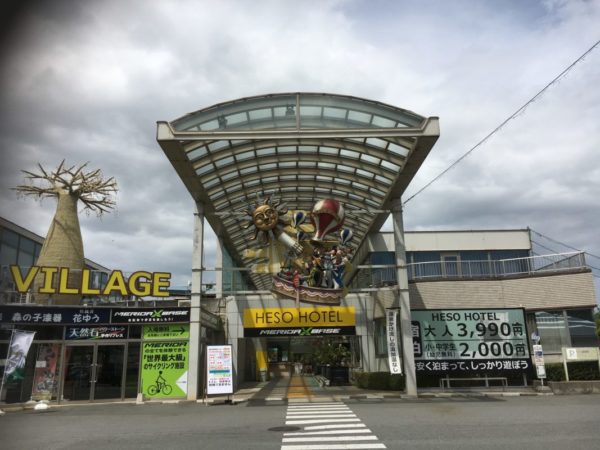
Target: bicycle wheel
<point>152,390</point>
<point>167,389</point>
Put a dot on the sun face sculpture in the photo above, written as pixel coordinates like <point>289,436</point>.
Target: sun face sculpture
<point>265,217</point>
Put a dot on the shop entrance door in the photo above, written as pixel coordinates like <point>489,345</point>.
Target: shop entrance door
<point>94,372</point>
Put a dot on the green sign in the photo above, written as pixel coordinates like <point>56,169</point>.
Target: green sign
<point>469,334</point>
<point>171,331</point>
<point>165,363</point>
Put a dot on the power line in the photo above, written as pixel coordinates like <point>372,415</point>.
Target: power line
<point>556,251</point>
<point>563,244</point>
<point>547,248</point>
<point>499,127</point>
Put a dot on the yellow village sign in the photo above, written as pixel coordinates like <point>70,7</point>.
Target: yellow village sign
<point>139,283</point>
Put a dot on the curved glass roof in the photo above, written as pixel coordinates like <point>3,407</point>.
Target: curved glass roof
<point>300,148</point>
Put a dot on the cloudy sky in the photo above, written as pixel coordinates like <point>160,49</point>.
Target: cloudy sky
<point>87,81</point>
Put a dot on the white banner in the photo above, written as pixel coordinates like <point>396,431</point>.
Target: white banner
<point>392,341</point>
<point>17,354</point>
<point>219,369</point>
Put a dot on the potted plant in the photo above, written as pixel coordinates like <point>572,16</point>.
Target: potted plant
<point>332,359</point>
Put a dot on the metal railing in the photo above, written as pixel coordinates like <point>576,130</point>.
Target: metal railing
<point>369,277</point>
<point>533,265</point>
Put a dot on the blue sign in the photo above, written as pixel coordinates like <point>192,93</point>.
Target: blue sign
<point>53,315</point>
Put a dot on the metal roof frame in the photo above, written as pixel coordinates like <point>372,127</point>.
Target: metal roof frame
<point>300,147</point>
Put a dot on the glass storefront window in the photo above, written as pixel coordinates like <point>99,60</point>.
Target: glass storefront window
<point>380,337</point>
<point>46,372</point>
<point>133,369</point>
<point>554,333</point>
<point>582,328</point>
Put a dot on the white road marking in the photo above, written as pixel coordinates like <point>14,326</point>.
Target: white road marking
<point>332,446</point>
<point>330,438</point>
<point>340,425</point>
<point>343,430</point>
<point>324,416</point>
<point>324,420</point>
<point>335,433</point>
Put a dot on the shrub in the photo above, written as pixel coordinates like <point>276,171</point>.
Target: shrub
<point>578,371</point>
<point>397,382</point>
<point>379,381</point>
<point>555,372</point>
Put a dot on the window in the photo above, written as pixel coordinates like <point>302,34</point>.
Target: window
<point>451,265</point>
<point>582,328</point>
<point>553,330</point>
<point>380,338</point>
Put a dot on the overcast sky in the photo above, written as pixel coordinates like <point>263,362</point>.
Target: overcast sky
<point>87,81</point>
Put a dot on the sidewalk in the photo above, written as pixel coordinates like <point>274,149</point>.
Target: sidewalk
<point>305,388</point>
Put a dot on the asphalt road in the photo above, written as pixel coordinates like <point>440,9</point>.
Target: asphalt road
<point>553,422</point>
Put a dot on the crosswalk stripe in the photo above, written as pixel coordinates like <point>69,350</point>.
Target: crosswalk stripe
<point>309,416</point>
<point>343,430</point>
<point>332,446</point>
<point>321,408</point>
<point>300,422</point>
<point>339,425</point>
<point>330,438</point>
<point>318,409</point>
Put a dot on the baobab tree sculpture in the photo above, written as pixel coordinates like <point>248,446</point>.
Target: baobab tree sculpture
<point>63,246</point>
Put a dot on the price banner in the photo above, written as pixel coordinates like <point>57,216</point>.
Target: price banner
<point>470,340</point>
<point>219,369</point>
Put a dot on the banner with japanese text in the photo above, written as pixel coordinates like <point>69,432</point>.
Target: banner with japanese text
<point>45,376</point>
<point>470,341</point>
<point>219,369</point>
<point>164,364</point>
<point>392,341</point>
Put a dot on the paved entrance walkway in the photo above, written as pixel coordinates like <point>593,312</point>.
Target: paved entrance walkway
<point>296,388</point>
<point>304,388</point>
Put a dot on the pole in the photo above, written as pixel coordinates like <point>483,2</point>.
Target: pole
<point>408,355</point>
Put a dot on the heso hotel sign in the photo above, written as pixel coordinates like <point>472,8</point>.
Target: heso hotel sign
<point>334,320</point>
<point>470,341</point>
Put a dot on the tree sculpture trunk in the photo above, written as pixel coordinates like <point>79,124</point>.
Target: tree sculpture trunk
<point>63,247</point>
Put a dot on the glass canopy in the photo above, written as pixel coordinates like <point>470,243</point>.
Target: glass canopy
<point>299,148</point>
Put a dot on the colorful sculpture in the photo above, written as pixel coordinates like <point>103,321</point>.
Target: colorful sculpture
<point>327,216</point>
<point>308,260</point>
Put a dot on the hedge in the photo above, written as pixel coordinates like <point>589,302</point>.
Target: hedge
<point>379,380</point>
<point>578,371</point>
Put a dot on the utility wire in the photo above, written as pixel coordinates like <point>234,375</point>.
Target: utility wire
<point>556,251</point>
<point>499,127</point>
<point>543,246</point>
<point>563,244</point>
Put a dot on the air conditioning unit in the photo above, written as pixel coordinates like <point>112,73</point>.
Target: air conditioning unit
<point>184,303</point>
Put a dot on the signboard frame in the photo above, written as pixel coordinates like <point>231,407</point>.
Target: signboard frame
<point>304,321</point>
<point>574,354</point>
<point>219,369</point>
<point>486,341</point>
<point>165,362</point>
<point>392,341</point>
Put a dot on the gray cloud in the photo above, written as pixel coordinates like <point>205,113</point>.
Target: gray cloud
<point>87,81</point>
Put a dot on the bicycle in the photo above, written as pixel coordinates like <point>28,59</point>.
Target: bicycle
<point>154,389</point>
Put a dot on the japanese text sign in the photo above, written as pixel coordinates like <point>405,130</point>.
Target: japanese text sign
<point>470,340</point>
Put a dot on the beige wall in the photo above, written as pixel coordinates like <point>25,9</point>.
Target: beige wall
<point>541,292</point>
<point>421,241</point>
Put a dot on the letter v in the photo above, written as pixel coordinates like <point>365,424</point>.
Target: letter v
<point>23,285</point>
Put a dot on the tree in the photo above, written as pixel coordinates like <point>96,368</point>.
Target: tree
<point>597,319</point>
<point>63,246</point>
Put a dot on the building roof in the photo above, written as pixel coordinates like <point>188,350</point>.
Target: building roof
<point>5,223</point>
<point>300,148</point>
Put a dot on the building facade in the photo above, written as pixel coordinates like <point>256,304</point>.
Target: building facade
<point>297,187</point>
